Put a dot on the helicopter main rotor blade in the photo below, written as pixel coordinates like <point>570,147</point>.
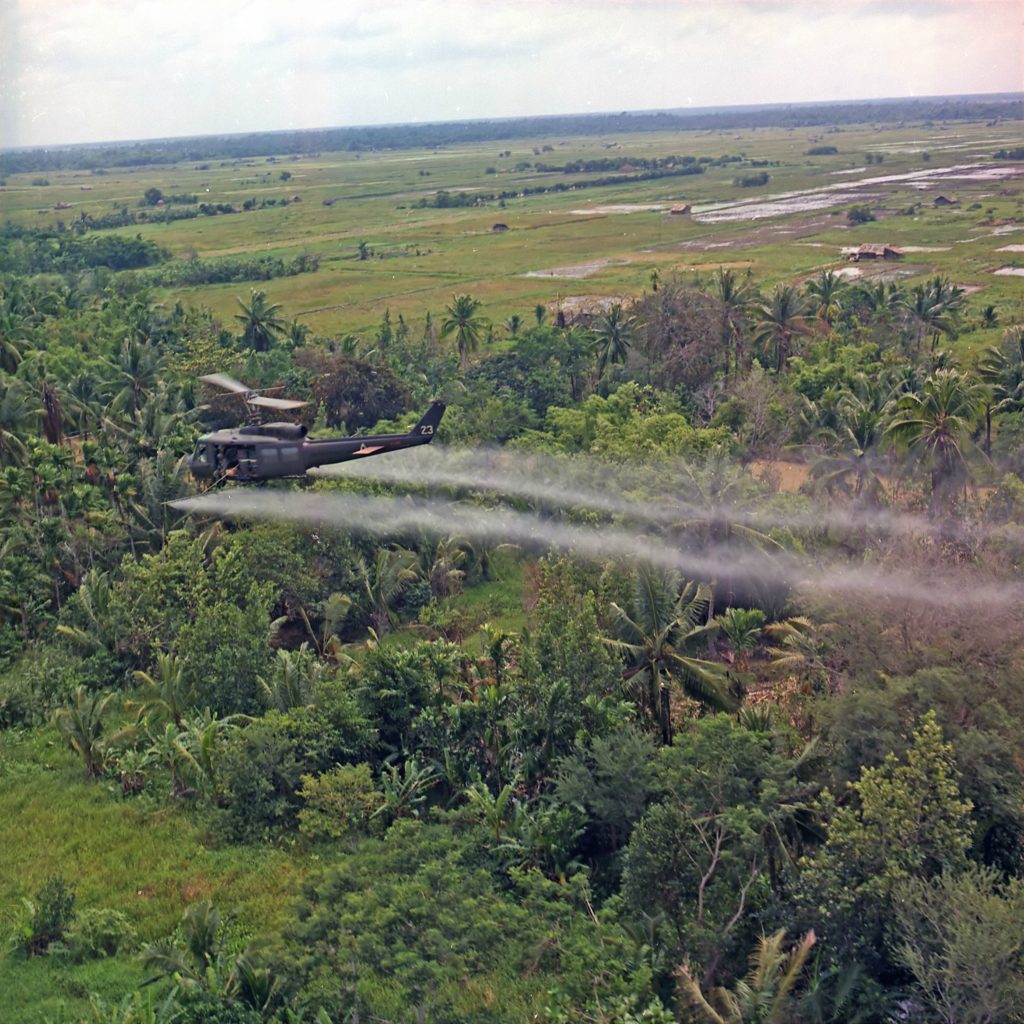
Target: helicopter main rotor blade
<point>222,380</point>
<point>276,403</point>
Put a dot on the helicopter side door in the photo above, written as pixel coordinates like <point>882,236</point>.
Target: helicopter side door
<point>248,466</point>
<point>237,461</point>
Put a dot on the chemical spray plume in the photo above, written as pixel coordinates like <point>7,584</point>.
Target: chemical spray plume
<point>573,482</point>
<point>379,517</point>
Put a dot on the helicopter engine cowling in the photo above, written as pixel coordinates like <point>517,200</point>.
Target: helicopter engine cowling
<point>283,431</point>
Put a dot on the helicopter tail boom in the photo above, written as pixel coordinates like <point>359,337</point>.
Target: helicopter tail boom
<point>428,425</point>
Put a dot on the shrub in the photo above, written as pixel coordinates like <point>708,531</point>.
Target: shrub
<point>751,180</point>
<point>860,214</point>
<point>338,803</point>
<point>45,918</point>
<point>100,932</point>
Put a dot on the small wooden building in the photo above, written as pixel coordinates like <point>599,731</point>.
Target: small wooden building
<point>499,227</point>
<point>945,201</point>
<point>875,251</point>
<point>680,211</point>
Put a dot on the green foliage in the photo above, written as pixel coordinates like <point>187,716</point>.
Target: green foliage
<point>765,995</point>
<point>859,214</point>
<point>871,720</point>
<point>225,648</point>
<point>420,923</point>
<point>44,919</point>
<point>611,779</point>
<point>338,803</point>
<point>528,740</point>
<point>706,854</point>
<point>81,724</point>
<point>564,644</point>
<point>628,424</point>
<point>260,768</point>
<point>960,936</point>
<point>395,684</point>
<point>100,932</point>
<point>907,820</point>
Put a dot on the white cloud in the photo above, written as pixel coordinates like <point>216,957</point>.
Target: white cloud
<point>77,70</point>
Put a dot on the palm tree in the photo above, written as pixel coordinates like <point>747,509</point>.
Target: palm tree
<point>936,426</point>
<point>12,334</point>
<point>514,325</point>
<point>667,621</point>
<point>202,738</point>
<point>802,649</point>
<point>1002,370</point>
<point>293,680</point>
<point>81,724</point>
<point>442,566</point>
<point>782,318</point>
<point>170,750</point>
<point>166,695</point>
<point>764,996</point>
<point>202,962</point>
<point>86,402</point>
<point>736,298</point>
<point>95,600</point>
<point>613,337</point>
<point>935,308</point>
<point>742,627</point>
<point>463,322</point>
<point>136,373</point>
<point>18,416</point>
<point>825,291</point>
<point>261,321</point>
<point>18,315</point>
<point>381,583</point>
<point>717,508</point>
<point>297,334</point>
<point>862,416</point>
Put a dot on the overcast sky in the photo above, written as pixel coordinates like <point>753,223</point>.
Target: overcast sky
<point>91,70</point>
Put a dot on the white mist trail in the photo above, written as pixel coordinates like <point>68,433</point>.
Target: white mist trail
<point>569,482</point>
<point>377,516</point>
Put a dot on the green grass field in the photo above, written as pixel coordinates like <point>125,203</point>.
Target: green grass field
<point>598,241</point>
<point>148,859</point>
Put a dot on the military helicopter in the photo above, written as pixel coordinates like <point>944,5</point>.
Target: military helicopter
<point>266,451</point>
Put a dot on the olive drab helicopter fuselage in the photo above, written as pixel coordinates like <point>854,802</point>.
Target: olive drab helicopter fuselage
<point>268,451</point>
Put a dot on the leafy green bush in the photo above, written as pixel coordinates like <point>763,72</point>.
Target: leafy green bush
<point>37,684</point>
<point>44,919</point>
<point>424,925</point>
<point>100,932</point>
<point>338,803</point>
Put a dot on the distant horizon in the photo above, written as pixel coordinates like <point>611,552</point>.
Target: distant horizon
<point>122,70</point>
<point>695,110</point>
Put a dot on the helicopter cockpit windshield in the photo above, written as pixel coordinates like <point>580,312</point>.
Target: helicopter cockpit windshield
<point>201,462</point>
